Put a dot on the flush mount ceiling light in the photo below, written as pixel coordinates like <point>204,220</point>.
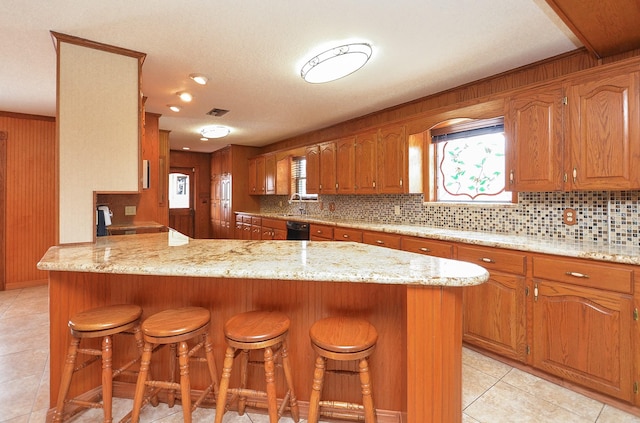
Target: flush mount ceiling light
<point>174,108</point>
<point>199,78</point>
<point>336,63</point>
<point>215,131</point>
<point>184,96</point>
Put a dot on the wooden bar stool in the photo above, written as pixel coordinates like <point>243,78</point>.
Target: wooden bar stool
<point>102,322</point>
<point>256,330</point>
<point>175,327</point>
<point>342,339</point>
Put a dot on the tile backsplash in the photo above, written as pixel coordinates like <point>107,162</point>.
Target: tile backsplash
<point>601,216</point>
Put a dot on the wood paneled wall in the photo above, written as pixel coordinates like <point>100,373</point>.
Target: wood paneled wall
<point>541,71</point>
<point>201,162</point>
<point>30,200</point>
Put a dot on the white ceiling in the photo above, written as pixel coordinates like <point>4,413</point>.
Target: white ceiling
<point>253,51</point>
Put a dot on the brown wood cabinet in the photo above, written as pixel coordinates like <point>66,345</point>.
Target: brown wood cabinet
<point>312,155</point>
<point>365,162</point>
<point>345,165</point>
<point>270,174</point>
<point>582,323</point>
<point>426,246</point>
<point>392,160</point>
<point>328,183</point>
<point>381,239</point>
<point>603,131</point>
<point>494,316</point>
<point>533,131</point>
<point>347,234</point>
<point>257,175</point>
<point>320,232</point>
<point>274,229</point>
<point>283,176</point>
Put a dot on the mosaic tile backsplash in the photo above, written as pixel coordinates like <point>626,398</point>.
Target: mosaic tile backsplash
<point>602,216</point>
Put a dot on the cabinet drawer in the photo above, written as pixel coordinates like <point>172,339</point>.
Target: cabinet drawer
<point>256,220</point>
<point>274,224</point>
<point>381,239</point>
<point>321,231</point>
<point>494,259</point>
<point>427,247</point>
<point>345,234</point>
<point>578,272</point>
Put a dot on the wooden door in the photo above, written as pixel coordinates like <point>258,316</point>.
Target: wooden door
<point>603,132</point>
<point>365,162</point>
<point>345,165</point>
<point>392,160</point>
<point>328,168</point>
<point>313,169</point>
<point>534,140</point>
<point>181,193</point>
<point>584,335</point>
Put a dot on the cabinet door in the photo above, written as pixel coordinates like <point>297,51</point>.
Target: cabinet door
<point>584,335</point>
<point>392,160</point>
<point>494,315</point>
<point>270,174</point>
<point>534,140</point>
<point>381,239</point>
<point>260,175</point>
<point>345,162</point>
<point>283,176</point>
<point>347,234</point>
<point>427,247</point>
<point>313,169</point>
<point>604,132</point>
<point>366,162</point>
<point>253,181</point>
<point>328,168</point>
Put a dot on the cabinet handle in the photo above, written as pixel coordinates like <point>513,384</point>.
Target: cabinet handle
<point>575,174</point>
<point>424,250</point>
<point>318,231</point>
<point>379,242</point>
<point>511,177</point>
<point>345,236</point>
<point>487,260</point>
<point>577,275</point>
<point>535,292</point>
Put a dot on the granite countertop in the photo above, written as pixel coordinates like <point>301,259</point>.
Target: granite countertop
<point>173,254</point>
<point>589,250</point>
<point>135,226</point>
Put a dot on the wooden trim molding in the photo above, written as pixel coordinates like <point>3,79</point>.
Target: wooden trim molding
<point>3,198</point>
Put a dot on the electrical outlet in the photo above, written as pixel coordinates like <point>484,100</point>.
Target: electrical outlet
<point>569,217</point>
<point>129,210</point>
<point>396,210</point>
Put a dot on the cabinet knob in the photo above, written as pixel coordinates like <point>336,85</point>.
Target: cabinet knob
<point>425,250</point>
<point>345,236</point>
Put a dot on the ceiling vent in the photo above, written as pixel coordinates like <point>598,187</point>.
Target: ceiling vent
<point>217,112</point>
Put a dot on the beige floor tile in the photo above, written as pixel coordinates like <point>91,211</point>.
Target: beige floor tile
<point>24,306</point>
<point>474,384</point>
<point>17,397</point>
<point>468,419</point>
<point>21,419</point>
<point>22,364</point>
<point>613,415</point>
<point>504,403</point>
<point>542,389</point>
<point>484,364</point>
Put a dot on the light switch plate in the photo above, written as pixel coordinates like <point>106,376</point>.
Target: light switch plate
<point>129,210</point>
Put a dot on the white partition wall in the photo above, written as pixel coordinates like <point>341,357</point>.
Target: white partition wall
<point>98,130</point>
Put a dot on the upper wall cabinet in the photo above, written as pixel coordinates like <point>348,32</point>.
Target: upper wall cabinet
<point>603,131</point>
<point>580,135</point>
<point>392,160</point>
<point>534,134</point>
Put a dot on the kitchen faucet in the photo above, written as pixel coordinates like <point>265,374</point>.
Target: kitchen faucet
<point>293,197</point>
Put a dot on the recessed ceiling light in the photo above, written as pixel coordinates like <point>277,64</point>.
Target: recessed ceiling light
<point>185,96</point>
<point>336,63</point>
<point>199,78</point>
<point>215,131</point>
<point>174,108</point>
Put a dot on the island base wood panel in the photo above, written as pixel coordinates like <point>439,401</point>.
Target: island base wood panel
<point>415,379</point>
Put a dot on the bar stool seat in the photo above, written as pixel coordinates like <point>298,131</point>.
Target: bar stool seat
<point>174,327</point>
<point>342,339</point>
<point>255,330</point>
<point>102,322</point>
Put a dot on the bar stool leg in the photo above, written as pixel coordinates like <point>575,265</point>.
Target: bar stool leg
<point>367,399</point>
<point>141,385</point>
<point>107,377</point>
<point>221,401</point>
<point>185,383</point>
<point>293,401</point>
<point>316,390</point>
<point>211,363</point>
<point>173,357</point>
<point>244,370</point>
<point>65,381</point>
<point>269,375</point>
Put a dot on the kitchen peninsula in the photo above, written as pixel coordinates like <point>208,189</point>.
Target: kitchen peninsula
<point>414,301</point>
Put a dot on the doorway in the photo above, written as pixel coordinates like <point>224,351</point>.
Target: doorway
<point>181,204</point>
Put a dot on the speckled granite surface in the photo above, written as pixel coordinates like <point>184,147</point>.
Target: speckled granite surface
<point>589,250</point>
<point>174,254</point>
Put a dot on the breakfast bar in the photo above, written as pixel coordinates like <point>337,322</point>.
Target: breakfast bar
<point>414,301</point>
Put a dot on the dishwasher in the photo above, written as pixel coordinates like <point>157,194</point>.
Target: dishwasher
<point>297,230</point>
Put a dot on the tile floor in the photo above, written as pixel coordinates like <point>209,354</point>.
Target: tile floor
<point>493,392</point>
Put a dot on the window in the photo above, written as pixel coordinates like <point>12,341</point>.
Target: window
<point>470,161</point>
<point>178,191</point>
<point>299,178</point>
